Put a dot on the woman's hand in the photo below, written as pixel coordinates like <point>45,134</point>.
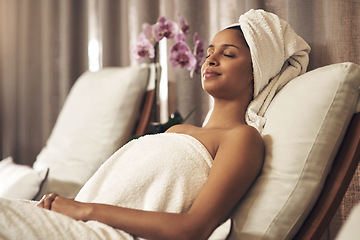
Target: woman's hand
<point>66,206</point>
<point>47,200</point>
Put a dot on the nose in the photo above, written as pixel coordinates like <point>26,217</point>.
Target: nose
<point>212,60</point>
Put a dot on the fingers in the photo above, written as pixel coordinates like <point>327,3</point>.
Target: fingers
<point>47,200</point>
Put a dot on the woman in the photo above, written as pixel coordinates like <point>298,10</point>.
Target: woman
<point>235,148</point>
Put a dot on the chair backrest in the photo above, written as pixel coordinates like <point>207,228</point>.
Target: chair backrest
<point>98,117</point>
<point>339,178</point>
<point>146,111</point>
<point>306,123</point>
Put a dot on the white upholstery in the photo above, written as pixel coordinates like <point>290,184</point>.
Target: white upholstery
<point>97,118</point>
<point>305,125</point>
<point>19,181</point>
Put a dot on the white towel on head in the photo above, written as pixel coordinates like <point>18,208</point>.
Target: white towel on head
<point>278,55</point>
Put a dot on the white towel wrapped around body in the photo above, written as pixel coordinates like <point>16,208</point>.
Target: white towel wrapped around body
<point>278,56</point>
<point>142,177</point>
<point>138,176</point>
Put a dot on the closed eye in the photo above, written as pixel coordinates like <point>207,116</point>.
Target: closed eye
<point>229,55</point>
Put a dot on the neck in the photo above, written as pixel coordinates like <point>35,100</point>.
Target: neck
<point>227,114</point>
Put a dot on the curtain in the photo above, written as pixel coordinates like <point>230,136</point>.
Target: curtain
<point>45,46</point>
<point>43,50</point>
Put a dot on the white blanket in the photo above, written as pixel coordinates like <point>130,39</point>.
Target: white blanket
<point>136,176</point>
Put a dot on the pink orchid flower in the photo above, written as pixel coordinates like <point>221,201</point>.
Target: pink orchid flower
<point>147,30</point>
<point>143,48</point>
<point>199,51</point>
<point>181,55</point>
<point>164,28</point>
<point>185,28</point>
<point>180,37</point>
<point>199,45</point>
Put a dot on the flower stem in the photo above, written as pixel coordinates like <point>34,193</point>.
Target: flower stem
<point>189,114</point>
<point>155,112</point>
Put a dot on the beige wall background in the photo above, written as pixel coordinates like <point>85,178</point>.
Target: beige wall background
<point>43,49</point>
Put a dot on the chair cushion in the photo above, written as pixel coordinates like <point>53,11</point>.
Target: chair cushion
<point>97,118</point>
<point>19,181</point>
<point>305,125</point>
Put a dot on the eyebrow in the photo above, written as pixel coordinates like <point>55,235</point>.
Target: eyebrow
<point>225,45</point>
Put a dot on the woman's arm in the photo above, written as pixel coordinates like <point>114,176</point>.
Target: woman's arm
<point>236,164</point>
<point>146,224</point>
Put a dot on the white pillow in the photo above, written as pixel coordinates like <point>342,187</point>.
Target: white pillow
<point>19,181</point>
<point>97,118</point>
<point>305,125</point>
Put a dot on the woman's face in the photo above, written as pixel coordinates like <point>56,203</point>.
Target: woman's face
<point>227,70</point>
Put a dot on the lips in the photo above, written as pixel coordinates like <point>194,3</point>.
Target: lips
<point>209,73</point>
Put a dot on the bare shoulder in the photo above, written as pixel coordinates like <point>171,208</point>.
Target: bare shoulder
<point>243,146</point>
<point>247,130</point>
<point>180,128</point>
<point>244,136</point>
